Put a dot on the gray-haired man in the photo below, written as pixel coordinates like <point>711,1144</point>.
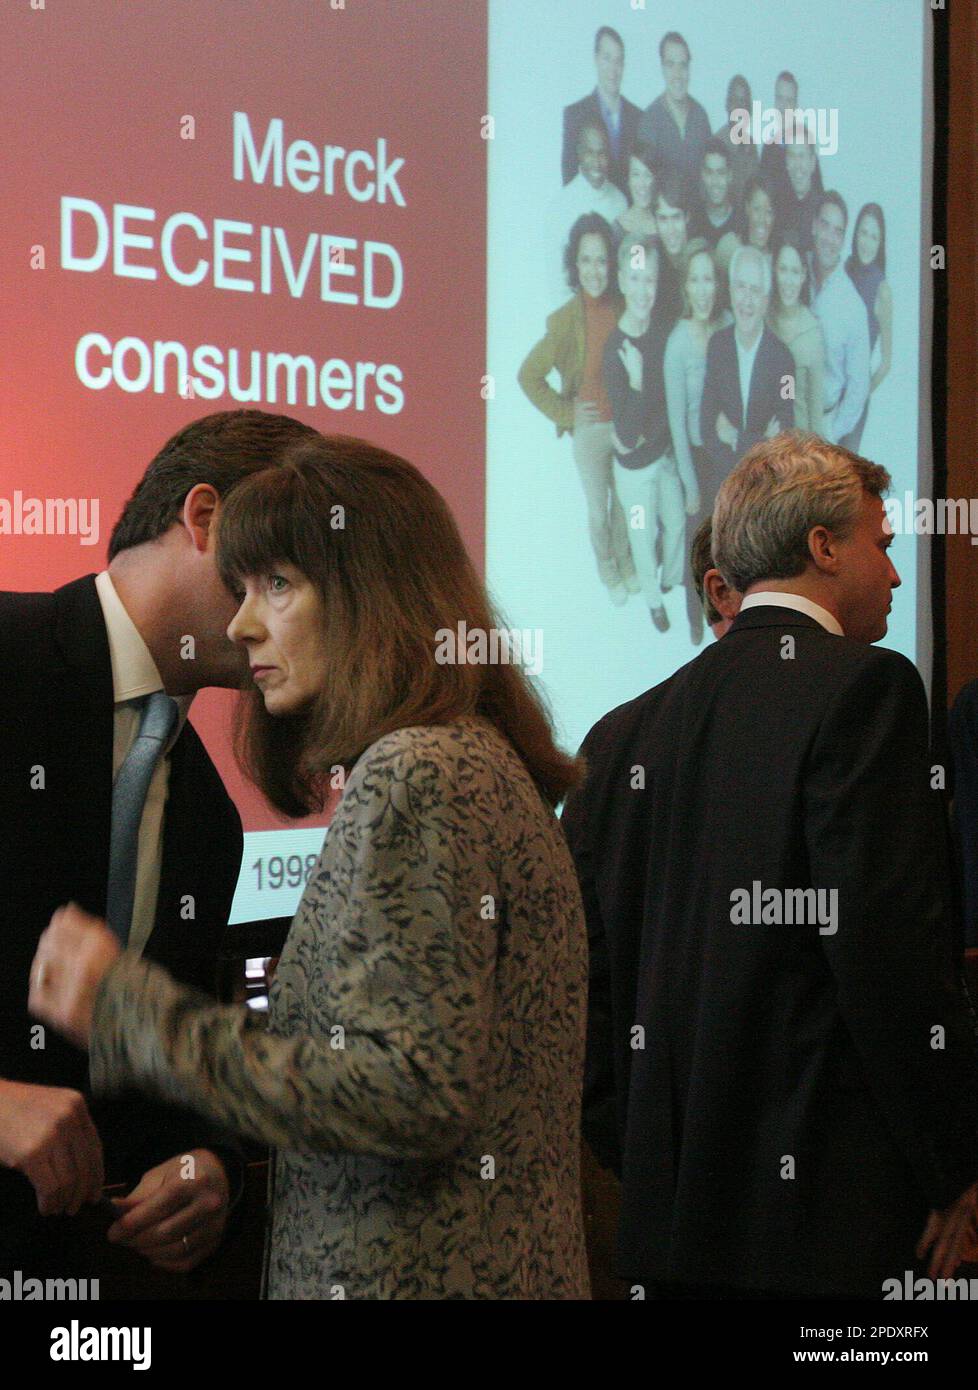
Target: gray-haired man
<point>780,1064</point>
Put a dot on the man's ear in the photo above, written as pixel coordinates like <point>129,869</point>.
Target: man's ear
<point>724,599</point>
<point>200,508</point>
<point>823,547</point>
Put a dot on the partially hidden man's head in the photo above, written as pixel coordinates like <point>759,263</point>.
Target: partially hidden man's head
<point>785,91</point>
<point>738,94</point>
<point>721,603</point>
<point>797,508</point>
<point>800,159</point>
<point>168,526</point>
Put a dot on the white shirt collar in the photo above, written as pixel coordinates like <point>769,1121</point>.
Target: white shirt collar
<point>830,278</point>
<point>749,352</point>
<point>134,671</point>
<point>606,105</point>
<point>775,599</point>
<point>584,185</point>
<point>746,358</point>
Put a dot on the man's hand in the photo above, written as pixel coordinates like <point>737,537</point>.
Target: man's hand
<point>47,1134</point>
<point>953,1234</point>
<point>174,1220</point>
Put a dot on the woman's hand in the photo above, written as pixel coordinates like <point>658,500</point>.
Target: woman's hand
<point>726,432</point>
<point>72,956</point>
<point>631,360</point>
<point>585,413</point>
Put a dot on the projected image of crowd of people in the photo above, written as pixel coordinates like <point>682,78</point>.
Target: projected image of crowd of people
<point>709,289</point>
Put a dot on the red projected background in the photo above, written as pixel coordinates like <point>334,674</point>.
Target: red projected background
<point>237,204</point>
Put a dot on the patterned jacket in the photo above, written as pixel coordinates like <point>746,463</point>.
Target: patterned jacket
<point>420,1068</point>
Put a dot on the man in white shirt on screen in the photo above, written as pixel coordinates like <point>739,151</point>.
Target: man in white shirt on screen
<point>840,310</point>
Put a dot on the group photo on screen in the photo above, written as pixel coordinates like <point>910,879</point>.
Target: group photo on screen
<point>706,282</point>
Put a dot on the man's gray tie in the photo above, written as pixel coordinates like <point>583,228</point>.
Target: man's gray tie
<point>159,715</point>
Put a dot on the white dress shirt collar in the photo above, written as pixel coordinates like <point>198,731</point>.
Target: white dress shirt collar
<point>773,598</point>
<point>829,278</point>
<point>745,366</point>
<point>134,671</point>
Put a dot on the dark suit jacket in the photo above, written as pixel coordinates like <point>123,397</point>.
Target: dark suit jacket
<point>785,1123</point>
<point>962,733</point>
<point>586,110</point>
<point>721,391</point>
<point>56,714</point>
<point>795,218</point>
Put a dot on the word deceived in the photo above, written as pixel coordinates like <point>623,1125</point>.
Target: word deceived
<point>234,254</point>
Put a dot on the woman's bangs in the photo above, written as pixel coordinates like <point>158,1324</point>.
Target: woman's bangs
<point>258,527</point>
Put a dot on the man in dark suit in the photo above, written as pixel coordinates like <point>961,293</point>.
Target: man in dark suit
<point>772,150</point>
<point>675,124</point>
<point>962,737</point>
<point>81,666</point>
<point>617,115</point>
<point>781,1064</point>
<point>798,200</point>
<point>748,375</point>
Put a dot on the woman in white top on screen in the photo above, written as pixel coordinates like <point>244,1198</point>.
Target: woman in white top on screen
<point>685,371</point>
<point>867,271</point>
<point>798,328</point>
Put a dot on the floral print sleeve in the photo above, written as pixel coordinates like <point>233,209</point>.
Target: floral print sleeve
<point>382,1011</point>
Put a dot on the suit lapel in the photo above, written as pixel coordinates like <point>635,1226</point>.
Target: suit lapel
<point>756,377</point>
<point>735,374</point>
<point>88,726</point>
<point>180,854</point>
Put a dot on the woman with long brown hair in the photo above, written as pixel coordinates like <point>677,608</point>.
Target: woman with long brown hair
<point>419,1071</point>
